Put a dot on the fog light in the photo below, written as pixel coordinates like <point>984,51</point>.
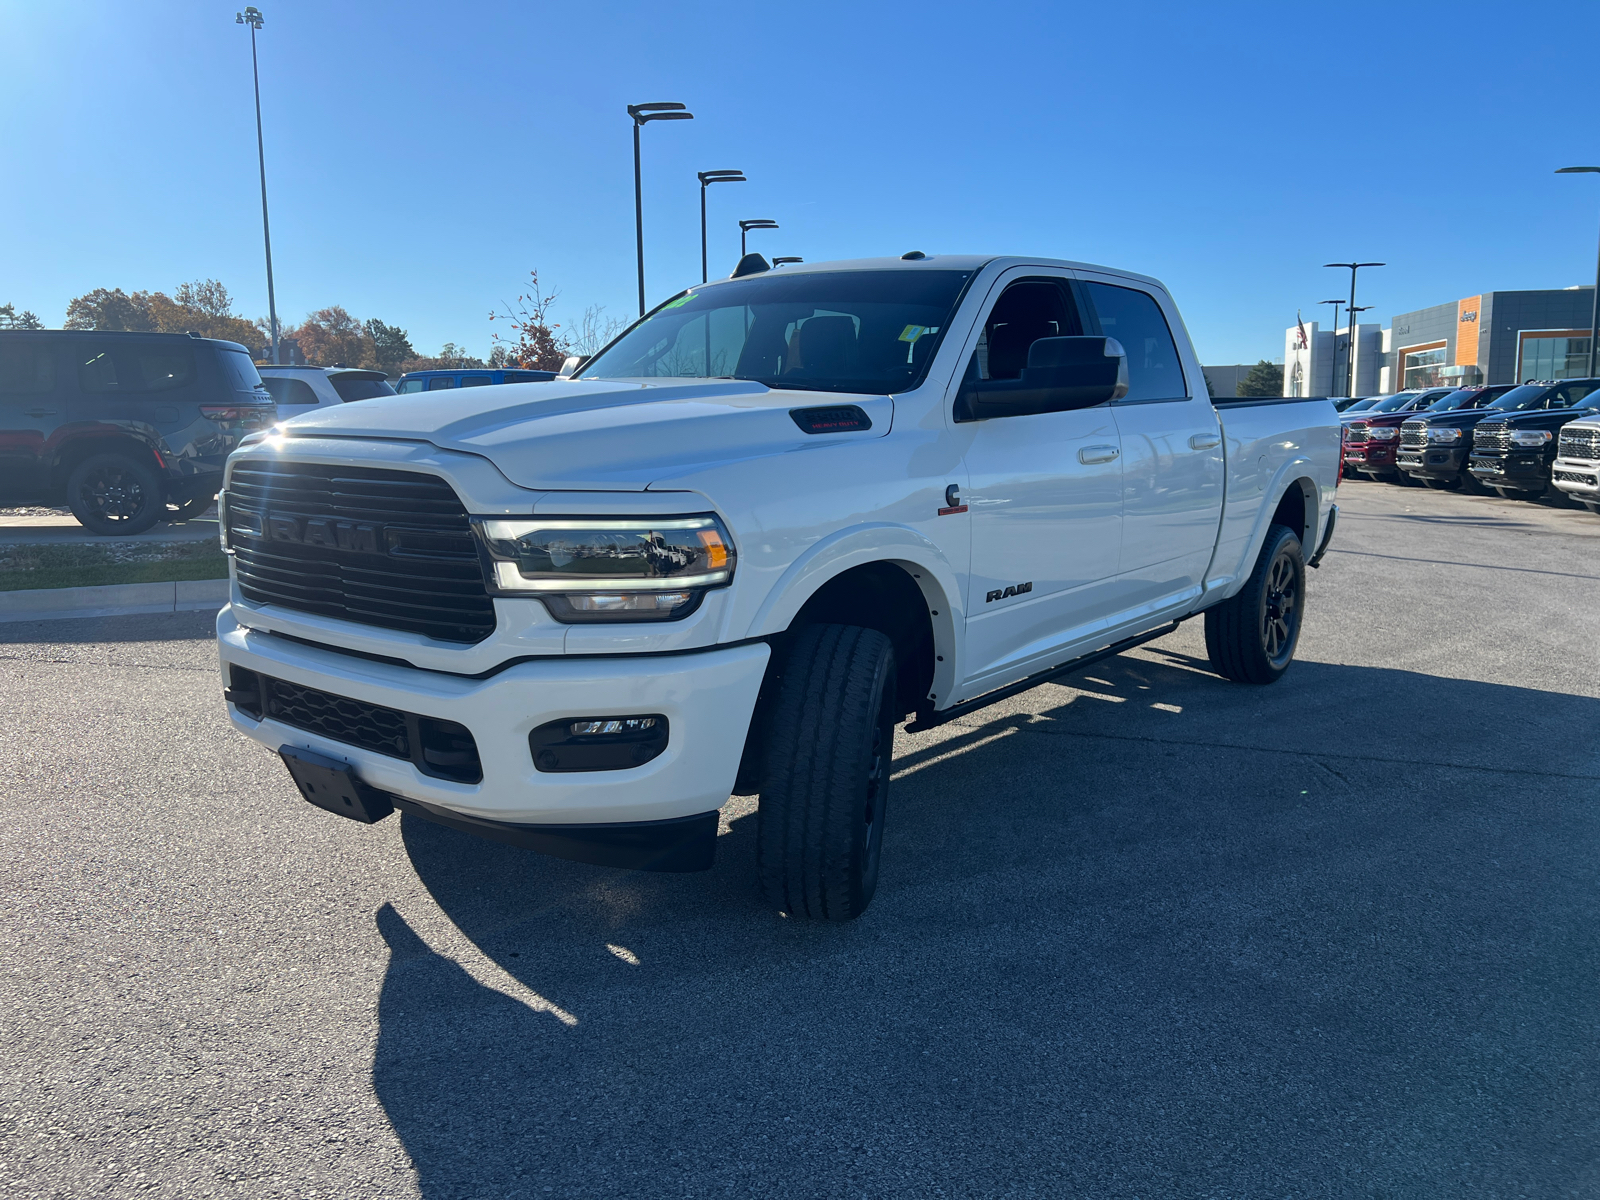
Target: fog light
<point>597,743</point>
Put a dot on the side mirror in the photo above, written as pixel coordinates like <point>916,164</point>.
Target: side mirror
<point>1063,373</point>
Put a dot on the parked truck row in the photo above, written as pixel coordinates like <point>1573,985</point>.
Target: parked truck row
<point>1526,441</point>
<point>735,551</point>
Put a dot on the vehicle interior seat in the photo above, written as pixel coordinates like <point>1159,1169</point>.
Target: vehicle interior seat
<point>823,346</point>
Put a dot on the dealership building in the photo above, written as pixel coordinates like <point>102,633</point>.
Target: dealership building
<point>1496,337</point>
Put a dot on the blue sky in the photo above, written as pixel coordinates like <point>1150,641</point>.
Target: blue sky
<point>422,157</point>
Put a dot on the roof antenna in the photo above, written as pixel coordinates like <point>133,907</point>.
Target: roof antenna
<point>750,264</point>
<point>913,255</point>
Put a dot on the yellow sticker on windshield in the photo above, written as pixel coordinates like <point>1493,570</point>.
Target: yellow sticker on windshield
<point>912,332</point>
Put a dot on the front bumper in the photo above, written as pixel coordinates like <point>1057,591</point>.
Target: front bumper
<point>1524,471</point>
<point>1578,477</point>
<point>707,698</point>
<point>1431,462</point>
<point>1373,458</point>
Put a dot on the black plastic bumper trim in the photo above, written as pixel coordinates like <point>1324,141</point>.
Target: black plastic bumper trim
<point>677,844</point>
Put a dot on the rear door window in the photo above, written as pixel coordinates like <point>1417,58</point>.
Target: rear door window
<point>1571,395</point>
<point>1134,319</point>
<point>26,367</point>
<point>290,391</point>
<point>410,385</point>
<point>113,368</point>
<point>441,382</point>
<point>475,380</point>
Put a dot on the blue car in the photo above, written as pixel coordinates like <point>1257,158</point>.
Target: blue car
<point>434,381</point>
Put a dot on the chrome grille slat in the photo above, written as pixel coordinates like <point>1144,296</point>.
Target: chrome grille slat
<point>1491,435</point>
<point>1414,434</point>
<point>1579,443</point>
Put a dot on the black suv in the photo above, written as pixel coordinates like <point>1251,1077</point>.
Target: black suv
<point>1434,445</point>
<point>1513,449</point>
<point>128,428</point>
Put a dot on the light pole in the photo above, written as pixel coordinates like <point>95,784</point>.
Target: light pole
<point>1354,330</point>
<point>707,178</point>
<point>1350,362</point>
<point>1594,307</point>
<point>778,262</point>
<point>665,110</point>
<point>1333,366</point>
<point>252,17</point>
<point>746,226</point>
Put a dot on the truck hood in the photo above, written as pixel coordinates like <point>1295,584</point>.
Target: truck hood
<point>1541,418</point>
<point>598,435</point>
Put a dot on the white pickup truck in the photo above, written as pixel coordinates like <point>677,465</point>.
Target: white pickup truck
<point>740,545</point>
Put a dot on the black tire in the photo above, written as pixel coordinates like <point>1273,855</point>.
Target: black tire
<point>113,494</point>
<point>1251,636</point>
<point>188,509</point>
<point>1593,506</point>
<point>1472,485</point>
<point>825,779</point>
<point>1439,485</point>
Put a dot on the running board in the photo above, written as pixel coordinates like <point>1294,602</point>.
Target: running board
<point>932,720</point>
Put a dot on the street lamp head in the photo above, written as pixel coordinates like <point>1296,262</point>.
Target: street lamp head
<point>1353,266</point>
<point>1577,170</point>
<point>709,177</point>
<point>663,110</point>
<point>749,225</point>
<point>250,16</point>
<point>778,262</point>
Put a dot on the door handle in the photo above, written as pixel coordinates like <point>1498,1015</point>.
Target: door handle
<point>41,412</point>
<point>1204,441</point>
<point>1097,454</point>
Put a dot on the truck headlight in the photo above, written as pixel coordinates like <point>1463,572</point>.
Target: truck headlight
<point>643,569</point>
<point>1383,433</point>
<point>1444,436</point>
<point>1530,437</point>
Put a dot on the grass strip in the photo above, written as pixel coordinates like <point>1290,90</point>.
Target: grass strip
<point>29,567</point>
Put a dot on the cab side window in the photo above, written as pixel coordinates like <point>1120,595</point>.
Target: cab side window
<point>1134,319</point>
<point>1571,396</point>
<point>1027,310</point>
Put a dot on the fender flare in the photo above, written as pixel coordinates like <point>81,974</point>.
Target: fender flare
<point>1288,474</point>
<point>858,546</point>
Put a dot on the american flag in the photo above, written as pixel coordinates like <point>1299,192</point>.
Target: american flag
<point>1303,341</point>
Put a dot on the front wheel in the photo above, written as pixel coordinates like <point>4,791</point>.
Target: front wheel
<point>1593,506</point>
<point>182,511</point>
<point>825,778</point>
<point>1251,636</point>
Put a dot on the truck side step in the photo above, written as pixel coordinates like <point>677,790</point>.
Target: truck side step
<point>927,719</point>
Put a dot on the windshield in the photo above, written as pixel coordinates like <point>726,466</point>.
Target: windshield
<point>1361,405</point>
<point>1460,398</point>
<point>1519,398</point>
<point>1391,403</point>
<point>829,331</point>
<point>355,388</point>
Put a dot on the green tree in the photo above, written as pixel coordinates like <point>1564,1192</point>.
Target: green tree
<point>10,318</point>
<point>1263,379</point>
<point>203,307</point>
<point>391,346</point>
<point>1211,388</point>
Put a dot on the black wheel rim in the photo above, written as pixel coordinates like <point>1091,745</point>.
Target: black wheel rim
<point>113,494</point>
<point>880,766</point>
<point>1280,610</point>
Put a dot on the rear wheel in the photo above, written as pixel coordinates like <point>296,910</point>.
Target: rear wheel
<point>113,494</point>
<point>825,779</point>
<point>1251,637</point>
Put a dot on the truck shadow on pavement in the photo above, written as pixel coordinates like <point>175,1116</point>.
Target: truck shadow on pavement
<point>1153,934</point>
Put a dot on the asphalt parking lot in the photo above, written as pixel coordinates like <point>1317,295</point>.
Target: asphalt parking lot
<point>1150,935</point>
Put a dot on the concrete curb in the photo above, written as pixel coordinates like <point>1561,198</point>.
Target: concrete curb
<point>113,600</point>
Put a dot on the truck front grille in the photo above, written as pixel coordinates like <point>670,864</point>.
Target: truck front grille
<point>1414,434</point>
<point>378,547</point>
<point>443,749</point>
<point>1579,443</point>
<point>1356,433</point>
<point>1491,435</point>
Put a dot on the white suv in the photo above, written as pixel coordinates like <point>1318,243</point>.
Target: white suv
<point>304,389</point>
